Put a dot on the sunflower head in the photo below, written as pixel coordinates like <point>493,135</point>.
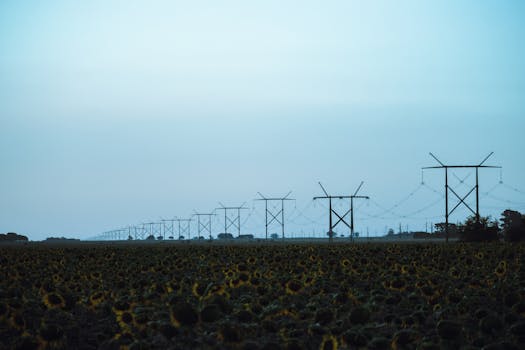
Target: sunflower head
<point>125,320</point>
<point>329,342</point>
<point>54,300</point>
<point>96,298</point>
<point>293,287</point>
<point>183,314</point>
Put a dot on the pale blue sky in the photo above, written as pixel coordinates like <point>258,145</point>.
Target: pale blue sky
<point>114,113</point>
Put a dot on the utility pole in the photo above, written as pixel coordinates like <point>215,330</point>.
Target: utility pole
<point>274,215</point>
<point>184,229</point>
<point>204,225</point>
<point>461,199</point>
<point>341,217</point>
<point>232,221</point>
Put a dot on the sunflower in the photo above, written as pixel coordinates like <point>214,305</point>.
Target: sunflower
<point>54,300</point>
<point>121,306</point>
<point>501,270</point>
<point>140,321</point>
<point>125,320</point>
<point>228,274</point>
<point>183,314</point>
<point>398,284</point>
<point>454,273</point>
<point>51,337</point>
<point>198,289</point>
<point>329,342</point>
<point>96,298</point>
<point>293,287</point>
<point>345,263</point>
<point>57,278</point>
<point>229,334</point>
<point>4,310</point>
<point>17,321</point>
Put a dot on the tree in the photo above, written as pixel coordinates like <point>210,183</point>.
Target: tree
<point>513,224</point>
<point>483,230</point>
<point>442,226</point>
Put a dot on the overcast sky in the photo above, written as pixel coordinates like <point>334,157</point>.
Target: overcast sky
<point>114,113</point>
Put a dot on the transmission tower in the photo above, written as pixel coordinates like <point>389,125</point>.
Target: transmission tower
<point>204,224</point>
<point>184,229</point>
<point>140,232</point>
<point>153,229</point>
<point>234,221</point>
<point>341,217</point>
<point>274,215</point>
<point>461,199</point>
<point>168,228</point>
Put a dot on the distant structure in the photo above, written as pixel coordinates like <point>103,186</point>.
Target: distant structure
<point>204,223</point>
<point>461,199</point>
<point>350,211</point>
<point>183,229</point>
<point>234,221</point>
<point>274,215</point>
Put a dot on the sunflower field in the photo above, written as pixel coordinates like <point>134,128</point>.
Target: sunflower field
<point>262,296</point>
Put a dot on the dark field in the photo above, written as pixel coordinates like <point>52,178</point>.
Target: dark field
<point>271,296</point>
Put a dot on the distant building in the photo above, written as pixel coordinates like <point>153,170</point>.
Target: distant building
<point>225,236</point>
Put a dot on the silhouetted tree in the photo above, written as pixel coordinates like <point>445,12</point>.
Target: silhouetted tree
<point>513,224</point>
<point>440,227</point>
<point>483,231</point>
<point>12,237</point>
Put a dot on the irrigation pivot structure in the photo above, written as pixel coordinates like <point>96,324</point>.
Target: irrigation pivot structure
<point>274,215</point>
<point>450,189</point>
<point>341,217</point>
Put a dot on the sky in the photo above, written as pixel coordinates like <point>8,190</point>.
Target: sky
<point>116,113</point>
